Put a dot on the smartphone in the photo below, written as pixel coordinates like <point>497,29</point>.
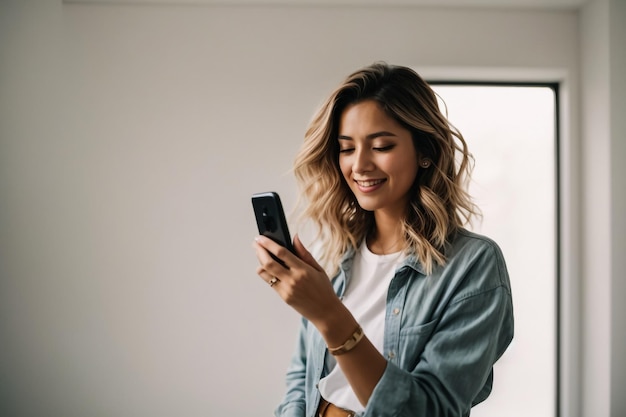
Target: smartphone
<point>270,218</point>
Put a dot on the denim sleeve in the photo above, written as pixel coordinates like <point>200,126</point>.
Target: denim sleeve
<point>454,371</point>
<point>294,401</point>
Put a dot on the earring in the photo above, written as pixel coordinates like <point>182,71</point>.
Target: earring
<point>425,163</point>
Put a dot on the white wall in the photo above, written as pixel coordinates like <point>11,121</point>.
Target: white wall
<point>130,141</point>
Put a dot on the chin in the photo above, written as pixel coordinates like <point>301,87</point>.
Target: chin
<point>367,205</point>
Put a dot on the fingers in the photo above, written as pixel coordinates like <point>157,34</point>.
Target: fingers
<point>303,285</point>
<point>274,248</point>
<point>288,266</point>
<point>274,258</point>
<point>270,279</point>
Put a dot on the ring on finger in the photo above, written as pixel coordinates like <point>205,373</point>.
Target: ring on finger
<point>273,281</point>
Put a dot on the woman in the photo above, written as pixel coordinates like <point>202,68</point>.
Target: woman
<point>419,308</point>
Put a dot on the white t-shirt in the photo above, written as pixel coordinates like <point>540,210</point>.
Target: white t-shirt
<point>366,298</point>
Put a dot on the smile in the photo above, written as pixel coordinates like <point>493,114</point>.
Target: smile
<point>368,183</point>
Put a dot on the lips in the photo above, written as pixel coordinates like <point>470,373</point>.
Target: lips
<point>368,186</point>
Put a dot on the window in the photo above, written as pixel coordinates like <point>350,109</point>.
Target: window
<point>511,131</point>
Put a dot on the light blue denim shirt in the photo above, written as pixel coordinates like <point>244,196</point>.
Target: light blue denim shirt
<point>443,333</point>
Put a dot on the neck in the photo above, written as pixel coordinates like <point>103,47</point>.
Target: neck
<point>387,236</point>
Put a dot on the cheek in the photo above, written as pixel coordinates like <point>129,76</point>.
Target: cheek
<point>409,174</point>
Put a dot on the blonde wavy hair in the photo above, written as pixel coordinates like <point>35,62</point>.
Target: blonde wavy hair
<point>439,203</point>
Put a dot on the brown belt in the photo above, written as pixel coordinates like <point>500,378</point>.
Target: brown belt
<point>327,409</point>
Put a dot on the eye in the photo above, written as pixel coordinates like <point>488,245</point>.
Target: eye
<point>346,150</point>
<point>384,148</point>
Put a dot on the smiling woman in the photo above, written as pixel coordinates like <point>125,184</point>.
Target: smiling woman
<point>419,309</point>
<point>378,161</point>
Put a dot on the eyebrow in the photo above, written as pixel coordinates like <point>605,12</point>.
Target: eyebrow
<point>368,137</point>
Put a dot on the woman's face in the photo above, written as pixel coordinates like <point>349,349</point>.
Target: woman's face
<point>377,158</point>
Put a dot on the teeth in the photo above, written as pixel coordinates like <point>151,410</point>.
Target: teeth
<point>369,183</point>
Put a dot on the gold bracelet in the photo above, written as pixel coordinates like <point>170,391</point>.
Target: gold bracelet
<point>349,344</point>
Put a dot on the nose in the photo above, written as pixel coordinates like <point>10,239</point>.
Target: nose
<point>362,161</point>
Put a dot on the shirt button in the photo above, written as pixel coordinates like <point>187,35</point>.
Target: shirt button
<point>396,311</point>
<point>391,354</point>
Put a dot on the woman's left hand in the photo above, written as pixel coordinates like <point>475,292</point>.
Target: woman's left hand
<point>301,282</point>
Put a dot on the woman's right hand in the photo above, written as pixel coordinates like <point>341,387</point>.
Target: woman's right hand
<point>305,286</point>
<point>302,282</point>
